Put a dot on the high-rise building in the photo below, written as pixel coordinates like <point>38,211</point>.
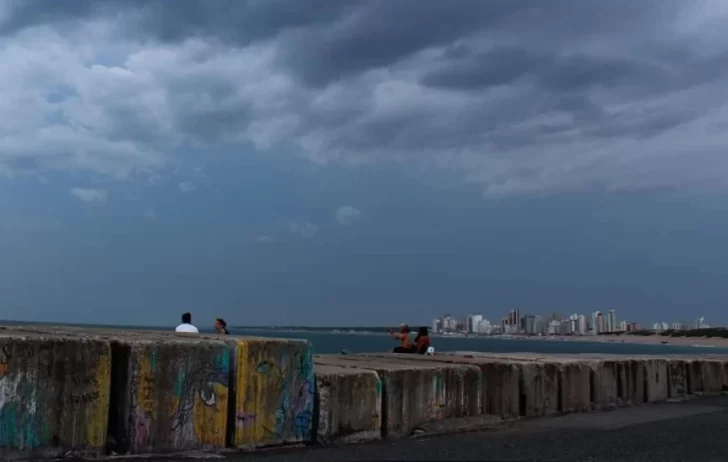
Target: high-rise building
<point>529,324</point>
<point>436,325</point>
<point>484,327</point>
<point>554,327</point>
<point>472,322</point>
<point>514,318</point>
<point>583,325</point>
<point>598,324</point>
<point>540,325</point>
<point>611,321</point>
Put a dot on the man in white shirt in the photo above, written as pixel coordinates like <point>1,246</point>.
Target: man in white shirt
<point>186,325</point>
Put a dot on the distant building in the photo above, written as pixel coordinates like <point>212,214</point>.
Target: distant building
<point>611,321</point>
<point>540,326</point>
<point>701,324</point>
<point>471,323</point>
<point>554,327</point>
<point>660,326</point>
<point>598,324</point>
<point>583,325</point>
<point>484,327</point>
<point>436,325</point>
<point>528,324</point>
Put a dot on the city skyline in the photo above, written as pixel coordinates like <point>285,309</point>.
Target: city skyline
<point>517,323</point>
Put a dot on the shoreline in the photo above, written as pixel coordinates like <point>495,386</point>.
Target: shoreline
<point>656,339</point>
<point>704,342</point>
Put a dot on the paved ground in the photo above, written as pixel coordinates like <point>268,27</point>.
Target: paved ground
<point>692,431</point>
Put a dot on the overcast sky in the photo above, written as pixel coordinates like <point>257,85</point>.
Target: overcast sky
<point>362,162</point>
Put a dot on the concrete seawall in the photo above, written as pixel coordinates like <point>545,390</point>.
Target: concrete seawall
<point>93,392</point>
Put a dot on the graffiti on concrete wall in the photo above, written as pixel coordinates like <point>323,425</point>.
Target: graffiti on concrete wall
<point>31,401</point>
<point>201,394</point>
<point>279,407</point>
<point>436,402</point>
<point>195,402</point>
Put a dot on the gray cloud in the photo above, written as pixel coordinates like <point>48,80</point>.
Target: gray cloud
<point>306,229</point>
<point>97,196</point>
<point>186,187</point>
<point>521,97</point>
<point>347,215</point>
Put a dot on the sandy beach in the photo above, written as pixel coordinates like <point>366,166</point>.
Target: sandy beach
<point>640,339</point>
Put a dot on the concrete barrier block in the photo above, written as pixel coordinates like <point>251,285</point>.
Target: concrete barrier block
<point>349,405</point>
<point>678,372</point>
<point>274,392</point>
<point>656,380</point>
<point>418,395</point>
<point>724,374</point>
<point>574,386</point>
<point>168,395</point>
<point>712,376</point>
<point>695,376</point>
<point>539,388</point>
<point>500,393</point>
<point>54,396</point>
<point>501,389</point>
<point>631,382</point>
<point>605,383</point>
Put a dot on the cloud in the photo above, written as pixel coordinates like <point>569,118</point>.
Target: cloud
<point>92,196</point>
<point>307,230</point>
<point>264,239</point>
<point>347,215</point>
<point>525,97</point>
<point>186,187</point>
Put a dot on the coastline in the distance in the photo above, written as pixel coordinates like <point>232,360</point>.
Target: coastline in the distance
<point>654,339</point>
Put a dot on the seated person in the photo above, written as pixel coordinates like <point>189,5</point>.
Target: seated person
<point>405,345</point>
<point>422,342</point>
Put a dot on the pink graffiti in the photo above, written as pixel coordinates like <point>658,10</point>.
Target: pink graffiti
<point>140,436</point>
<point>245,419</point>
<point>302,398</point>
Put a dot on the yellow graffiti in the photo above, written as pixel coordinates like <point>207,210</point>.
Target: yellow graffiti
<point>96,425</point>
<point>210,422</point>
<point>257,394</point>
<point>146,389</point>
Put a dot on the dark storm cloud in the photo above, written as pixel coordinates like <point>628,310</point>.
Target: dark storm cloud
<point>471,79</point>
<point>329,40</point>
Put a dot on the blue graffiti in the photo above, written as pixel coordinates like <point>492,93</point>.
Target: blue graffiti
<point>264,367</point>
<point>295,385</point>
<point>19,428</point>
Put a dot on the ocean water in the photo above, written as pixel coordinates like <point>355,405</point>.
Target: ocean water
<point>334,342</point>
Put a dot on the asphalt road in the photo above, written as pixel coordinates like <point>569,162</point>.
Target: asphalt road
<point>690,431</point>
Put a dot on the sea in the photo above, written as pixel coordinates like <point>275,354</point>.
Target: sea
<point>336,342</point>
<point>331,342</point>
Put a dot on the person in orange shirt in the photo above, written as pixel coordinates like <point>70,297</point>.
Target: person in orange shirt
<point>405,342</point>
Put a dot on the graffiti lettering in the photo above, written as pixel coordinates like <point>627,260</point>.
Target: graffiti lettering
<point>5,355</point>
<point>148,386</point>
<point>85,390</point>
<point>84,397</point>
